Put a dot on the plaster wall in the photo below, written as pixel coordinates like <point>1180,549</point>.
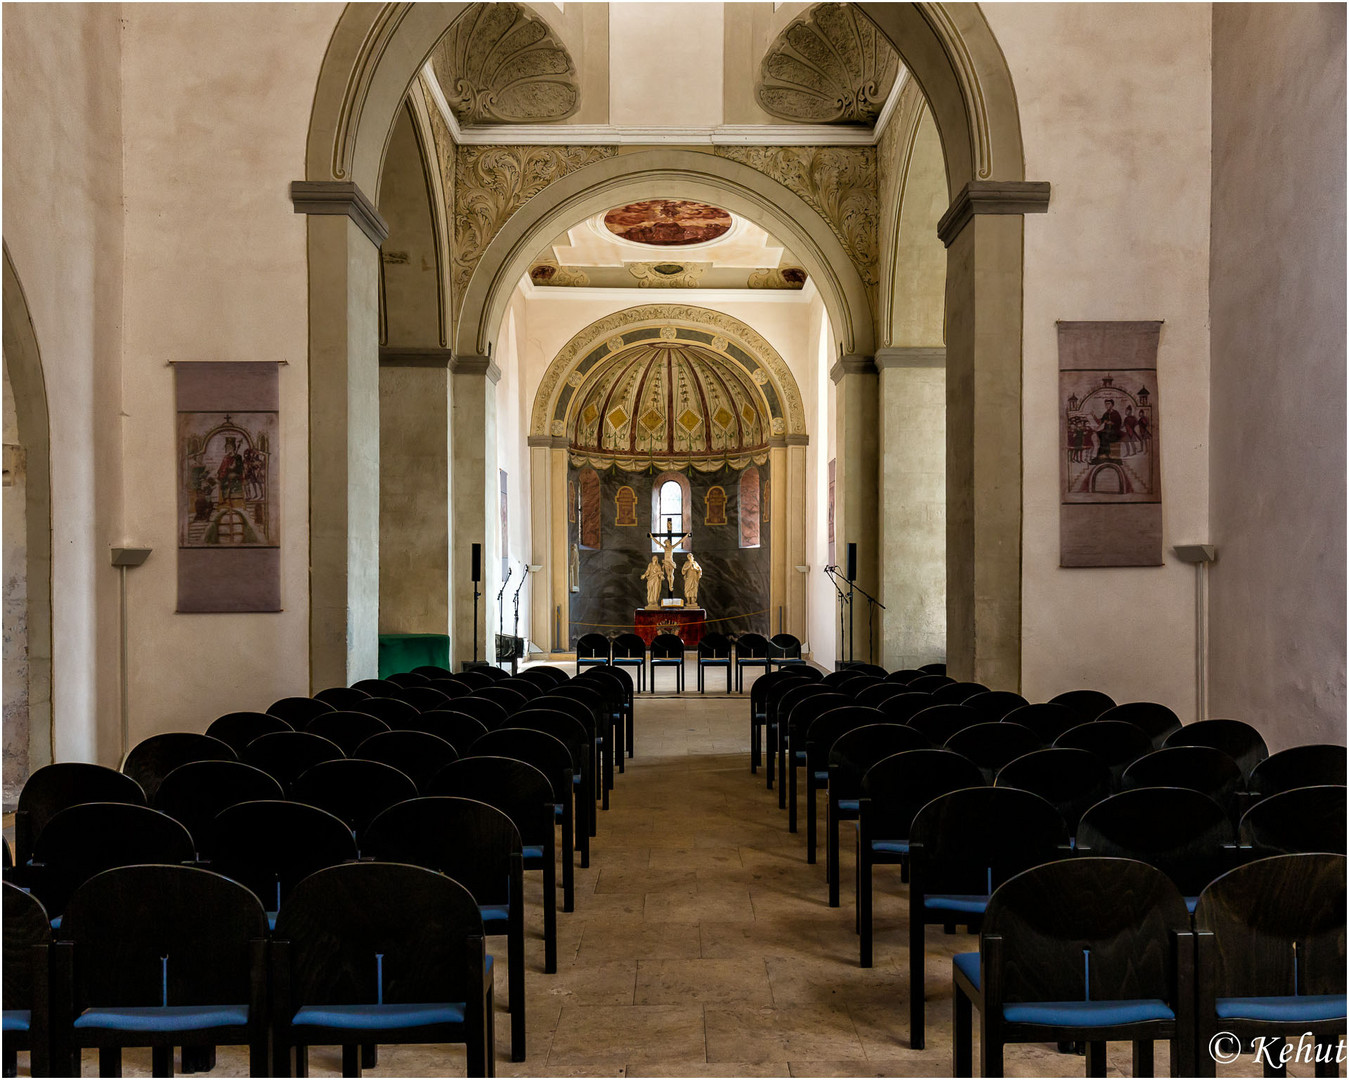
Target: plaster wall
<point>63,227</point>
<point>14,605</point>
<point>1115,113</point>
<point>409,297</point>
<point>512,411</point>
<point>660,55</point>
<point>1277,500</point>
<point>821,599</point>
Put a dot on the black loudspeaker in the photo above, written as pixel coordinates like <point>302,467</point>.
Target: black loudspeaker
<point>477,562</point>
<point>852,562</point>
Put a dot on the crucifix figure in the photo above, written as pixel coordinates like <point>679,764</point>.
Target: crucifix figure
<point>669,539</point>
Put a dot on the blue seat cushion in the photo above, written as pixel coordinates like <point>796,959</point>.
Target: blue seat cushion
<point>17,1020</point>
<point>379,1017</point>
<point>851,805</point>
<point>1306,1009</point>
<point>968,965</point>
<point>892,847</point>
<point>974,905</point>
<point>1087,1014</point>
<point>1191,902</point>
<point>163,1017</point>
<point>532,851</point>
<point>271,919</point>
<point>821,774</point>
<point>495,912</point>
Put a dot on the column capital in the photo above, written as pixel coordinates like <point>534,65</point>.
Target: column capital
<point>852,365</point>
<point>412,356</point>
<point>911,356</point>
<point>992,197</point>
<point>342,197</point>
<point>475,365</point>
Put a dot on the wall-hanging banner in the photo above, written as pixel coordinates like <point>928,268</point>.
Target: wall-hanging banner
<point>229,540</point>
<point>1110,511</point>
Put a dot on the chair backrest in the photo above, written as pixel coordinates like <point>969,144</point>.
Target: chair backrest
<point>897,787</point>
<point>992,745</point>
<point>516,788</point>
<point>395,712</point>
<point>1235,737</point>
<point>376,687</point>
<point>873,693</point>
<point>904,675</point>
<point>751,646</point>
<point>507,697</point>
<point>422,698</point>
<point>1183,833</point>
<point>799,709</point>
<point>432,671</point>
<point>528,687</point>
<point>1157,720</point>
<point>667,647</point>
<point>589,693</point>
<point>785,646</point>
<point>605,674</point>
<point>342,697</point>
<point>547,753</point>
<point>52,788</point>
<point>285,754</point>
<point>582,710</point>
<point>1298,766</point>
<point>1295,821</point>
<point>954,693</point>
<point>592,647</point>
<point>1120,913</point>
<point>1278,927</point>
<point>28,934</point>
<point>902,707</point>
<point>874,670</point>
<point>1045,718</point>
<point>456,728</point>
<point>298,711</point>
<point>839,676</point>
<point>87,839</point>
<point>785,694</point>
<point>715,646</point>
<point>857,750</point>
<point>995,704</point>
<point>1203,768</point>
<point>347,729</point>
<point>452,688</point>
<point>926,684</point>
<point>419,755</point>
<point>476,844</point>
<point>496,674</point>
<point>828,726</point>
<point>491,714</point>
<point>272,846</point>
<point>939,722</point>
<point>193,794</point>
<point>407,678</point>
<point>1116,743</point>
<point>238,729</point>
<point>150,936</point>
<point>628,647</point>
<point>855,688</point>
<point>152,759</point>
<point>389,931</point>
<point>775,683</point>
<point>474,678</point>
<point>1087,704</point>
<point>353,789</point>
<point>573,732</point>
<point>1070,780</point>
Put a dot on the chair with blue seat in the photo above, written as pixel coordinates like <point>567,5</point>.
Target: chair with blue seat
<point>764,695</point>
<point>615,686</point>
<point>1203,768</point>
<point>238,729</point>
<point>935,668</point>
<point>528,687</point>
<point>298,711</point>
<point>347,729</point>
<point>599,721</point>
<point>1306,819</point>
<point>993,745</point>
<point>1045,718</point>
<point>159,956</point>
<point>591,649</point>
<point>452,688</point>
<point>53,788</point>
<point>1072,781</point>
<point>509,698</point>
<point>1298,766</point>
<point>1270,939</point>
<point>545,676</point>
<point>874,693</point>
<point>837,678</point>
<point>629,651</point>
<point>524,795</point>
<point>855,688</point>
<point>1155,719</point>
<point>284,755</point>
<point>797,711</point>
<point>1085,704</point>
<point>193,794</point>
<point>152,759</point>
<point>849,758</point>
<point>432,671</point>
<point>893,791</point>
<point>491,714</point>
<point>380,953</point>
<point>478,846</point>
<point>408,678</point>
<point>1089,950</point>
<point>474,678</point>
<point>376,687</point>
<point>927,684</point>
<point>939,722</point>
<point>456,728</point>
<point>994,705</point>
<point>577,735</point>
<point>962,846</point>
<point>873,670</point>
<point>422,698</point>
<point>1117,743</point>
<point>820,735</point>
<point>784,650</point>
<point>417,754</point>
<point>751,651</point>
<point>342,697</point>
<point>667,651</point>
<point>1236,738</point>
<point>900,708</point>
<point>714,651</point>
<point>955,693</point>
<point>353,789</point>
<point>28,936</point>
<point>394,711</point>
<point>782,699</point>
<point>904,676</point>
<point>496,674</point>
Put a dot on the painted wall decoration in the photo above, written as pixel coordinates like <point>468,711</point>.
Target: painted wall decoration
<point>749,508</point>
<point>714,506</point>
<point>667,222</point>
<point>1109,445</point>
<point>625,506</point>
<point>229,525</point>
<point>571,500</point>
<point>590,508</point>
<point>505,526</point>
<point>829,525</point>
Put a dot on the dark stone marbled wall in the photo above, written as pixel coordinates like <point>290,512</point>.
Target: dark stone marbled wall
<point>735,579</point>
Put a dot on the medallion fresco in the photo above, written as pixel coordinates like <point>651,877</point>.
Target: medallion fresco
<point>668,222</point>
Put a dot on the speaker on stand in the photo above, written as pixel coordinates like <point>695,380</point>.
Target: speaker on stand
<point>477,577</point>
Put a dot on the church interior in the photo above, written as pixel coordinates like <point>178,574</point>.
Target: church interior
<point>353,349</point>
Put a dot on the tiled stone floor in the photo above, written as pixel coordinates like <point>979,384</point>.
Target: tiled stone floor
<point>702,943</point>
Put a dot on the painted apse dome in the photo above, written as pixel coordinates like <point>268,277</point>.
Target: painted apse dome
<point>668,222</point>
<point>669,405</point>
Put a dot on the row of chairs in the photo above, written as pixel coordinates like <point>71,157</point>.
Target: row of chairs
<point>744,652</point>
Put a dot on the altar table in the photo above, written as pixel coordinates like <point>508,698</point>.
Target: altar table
<point>686,623</point>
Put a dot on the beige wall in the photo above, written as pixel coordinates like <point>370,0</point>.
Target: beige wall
<point>1114,102</point>
<point>1278,310</point>
<point>649,92</point>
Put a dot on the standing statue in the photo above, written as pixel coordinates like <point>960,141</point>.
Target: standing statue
<point>669,546</point>
<point>693,574</point>
<point>653,577</point>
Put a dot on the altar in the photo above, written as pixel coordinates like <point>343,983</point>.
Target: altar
<point>687,623</point>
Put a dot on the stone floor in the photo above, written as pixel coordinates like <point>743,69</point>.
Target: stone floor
<point>702,944</point>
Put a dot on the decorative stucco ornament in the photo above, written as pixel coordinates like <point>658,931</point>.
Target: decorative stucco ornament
<point>667,275</point>
<point>777,277</point>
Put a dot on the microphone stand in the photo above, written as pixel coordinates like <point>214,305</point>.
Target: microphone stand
<point>872,604</point>
<point>500,593</point>
<point>515,634</point>
<point>843,601</point>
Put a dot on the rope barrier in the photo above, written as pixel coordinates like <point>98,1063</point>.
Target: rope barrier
<point>633,626</point>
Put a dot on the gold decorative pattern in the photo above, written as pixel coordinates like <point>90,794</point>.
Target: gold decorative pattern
<point>667,275</point>
<point>777,277</point>
<point>548,274</point>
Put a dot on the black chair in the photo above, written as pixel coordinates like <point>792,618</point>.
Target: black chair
<point>619,684</point>
<point>1183,833</point>
<point>855,688</point>
<point>1236,738</point>
<point>52,788</point>
<point>904,675</point>
<point>591,649</point>
<point>545,676</point>
<point>528,687</point>
<point>893,791</point>
<point>764,694</point>
<point>598,718</point>
<point>456,728</point>
<point>507,697</point>
<point>376,687</point>
<point>433,671</point>
<point>353,789</point>
<point>955,693</point>
<point>1298,766</point>
<point>714,651</point>
<point>238,729</point>
<point>1157,720</point>
<point>782,697</point>
<point>1116,743</point>
<point>451,688</point>
<point>298,711</point>
<point>874,670</point>
<point>1070,780</point>
<point>417,754</point>
<point>901,708</point>
<point>993,745</point>
<point>876,692</point>
<point>962,846</point>
<point>27,993</point>
<point>1045,718</point>
<point>841,676</point>
<point>342,697</point>
<point>1201,768</point>
<point>478,846</point>
<point>491,714</point>
<point>475,678</point>
<point>159,956</point>
<point>524,795</point>
<point>667,650</point>
<point>939,722</point>
<point>994,705</point>
<point>629,651</point>
<point>1301,820</point>
<point>798,709</point>
<point>784,650</point>
<point>927,684</point>
<point>1087,704</point>
<point>496,674</point>
<point>1270,941</point>
<point>284,755</point>
<point>853,753</point>
<point>272,846</point>
<point>578,736</point>
<point>1088,950</point>
<point>422,698</point>
<point>152,759</point>
<point>395,712</point>
<point>87,839</point>
<point>751,651</point>
<point>933,669</point>
<point>347,729</point>
<point>819,738</point>
<point>612,688</point>
<point>408,678</point>
<point>385,952</point>
<point>193,794</point>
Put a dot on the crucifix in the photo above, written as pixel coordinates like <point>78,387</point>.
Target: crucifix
<point>669,539</point>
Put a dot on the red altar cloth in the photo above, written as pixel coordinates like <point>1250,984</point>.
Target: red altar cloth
<point>687,623</point>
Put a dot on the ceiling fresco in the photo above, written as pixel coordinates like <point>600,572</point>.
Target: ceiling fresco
<point>668,222</point>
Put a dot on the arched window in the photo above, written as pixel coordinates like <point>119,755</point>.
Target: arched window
<point>671,508</point>
<point>749,508</point>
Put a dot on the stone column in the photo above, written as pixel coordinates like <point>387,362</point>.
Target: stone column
<point>856,476</point>
<point>548,521</point>
<point>792,490</point>
<point>913,507</point>
<point>344,234</point>
<point>475,503</point>
<point>983,232</point>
